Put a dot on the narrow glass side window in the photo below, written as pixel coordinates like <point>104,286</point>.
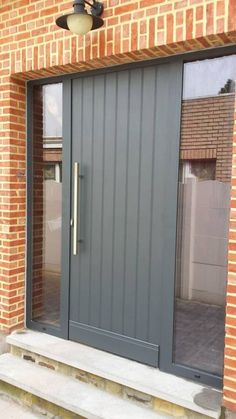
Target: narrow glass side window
<point>203,213</point>
<point>47,202</point>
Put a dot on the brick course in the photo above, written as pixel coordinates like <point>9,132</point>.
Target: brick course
<point>32,46</point>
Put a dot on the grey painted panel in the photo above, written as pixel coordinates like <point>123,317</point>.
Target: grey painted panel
<point>107,241</point>
<point>123,141</point>
<point>162,175</point>
<point>113,342</point>
<point>170,215</point>
<point>133,167</point>
<point>145,200</point>
<point>77,127</point>
<point>82,151</point>
<point>86,161</point>
<point>97,201</point>
<point>120,201</point>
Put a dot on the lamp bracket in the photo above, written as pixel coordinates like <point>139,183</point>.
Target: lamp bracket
<point>79,6</point>
<point>96,7</point>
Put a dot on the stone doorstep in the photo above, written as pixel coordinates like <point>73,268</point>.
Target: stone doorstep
<point>121,377</point>
<point>37,408</point>
<point>116,389</point>
<point>83,400</point>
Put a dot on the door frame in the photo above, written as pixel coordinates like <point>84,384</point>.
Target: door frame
<point>166,363</point>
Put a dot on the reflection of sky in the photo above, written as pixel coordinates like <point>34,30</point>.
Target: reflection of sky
<point>52,110</point>
<point>201,78</point>
<point>206,78</point>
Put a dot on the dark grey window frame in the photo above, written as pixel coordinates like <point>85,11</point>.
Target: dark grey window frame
<point>62,330</point>
<point>168,297</point>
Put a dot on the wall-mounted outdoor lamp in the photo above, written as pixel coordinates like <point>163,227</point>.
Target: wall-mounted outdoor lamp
<point>80,21</point>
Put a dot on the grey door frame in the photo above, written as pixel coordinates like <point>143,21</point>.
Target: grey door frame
<point>168,297</point>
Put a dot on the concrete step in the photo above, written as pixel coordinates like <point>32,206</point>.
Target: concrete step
<point>80,398</point>
<point>129,379</point>
<point>11,409</point>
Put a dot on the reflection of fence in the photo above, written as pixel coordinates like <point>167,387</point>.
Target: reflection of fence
<point>202,273</point>
<point>52,226</point>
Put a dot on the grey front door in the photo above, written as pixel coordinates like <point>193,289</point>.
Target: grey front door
<point>125,138</point>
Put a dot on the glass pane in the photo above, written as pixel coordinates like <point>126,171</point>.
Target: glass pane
<point>47,202</point>
<point>203,213</point>
<point>52,111</point>
<point>209,77</point>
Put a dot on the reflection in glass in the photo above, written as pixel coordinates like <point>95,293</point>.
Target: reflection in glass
<point>47,202</point>
<point>209,77</point>
<point>52,111</point>
<point>203,213</point>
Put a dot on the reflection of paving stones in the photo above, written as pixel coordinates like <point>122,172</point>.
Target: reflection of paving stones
<point>199,338</point>
<point>208,399</point>
<point>51,298</point>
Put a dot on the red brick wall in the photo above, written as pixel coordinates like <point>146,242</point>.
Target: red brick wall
<point>207,132</point>
<point>134,30</point>
<point>12,202</point>
<point>32,46</point>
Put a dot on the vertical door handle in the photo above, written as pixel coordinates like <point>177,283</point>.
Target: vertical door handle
<point>76,209</point>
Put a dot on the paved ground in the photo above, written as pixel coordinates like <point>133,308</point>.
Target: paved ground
<point>200,335</point>
<point>9,409</point>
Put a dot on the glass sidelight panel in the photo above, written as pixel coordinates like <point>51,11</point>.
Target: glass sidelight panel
<point>47,202</point>
<point>203,213</point>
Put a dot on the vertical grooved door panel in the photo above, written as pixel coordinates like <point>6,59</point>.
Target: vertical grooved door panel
<point>125,136</point>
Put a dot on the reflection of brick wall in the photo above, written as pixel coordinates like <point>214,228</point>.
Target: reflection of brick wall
<point>52,155</point>
<point>207,130</point>
<point>37,280</point>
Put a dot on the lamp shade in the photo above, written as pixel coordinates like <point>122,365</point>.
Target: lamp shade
<point>80,23</point>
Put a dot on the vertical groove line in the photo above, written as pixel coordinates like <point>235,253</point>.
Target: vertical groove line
<point>80,157</point>
<point>114,200</point>
<point>102,214</point>
<point>91,204</point>
<point>126,205</point>
<point>138,212</point>
<point>152,193</point>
